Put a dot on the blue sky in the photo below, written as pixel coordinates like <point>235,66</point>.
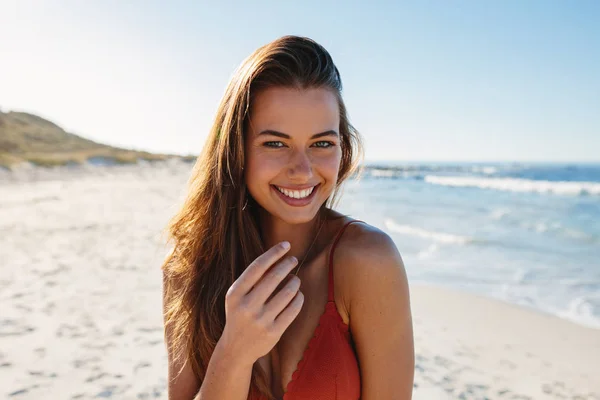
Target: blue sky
<point>423,81</point>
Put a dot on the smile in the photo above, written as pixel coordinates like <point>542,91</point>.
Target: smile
<point>296,198</point>
<point>296,194</point>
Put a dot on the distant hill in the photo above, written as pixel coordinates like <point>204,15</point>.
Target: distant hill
<point>27,137</point>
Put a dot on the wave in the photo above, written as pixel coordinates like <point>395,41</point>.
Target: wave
<point>425,234</point>
<point>382,173</point>
<point>485,170</point>
<point>518,185</point>
<point>583,311</point>
<point>499,213</point>
<point>429,252</point>
<point>555,227</point>
<point>540,226</point>
<point>419,171</point>
<point>552,172</point>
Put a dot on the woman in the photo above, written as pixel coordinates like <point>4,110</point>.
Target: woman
<point>247,317</point>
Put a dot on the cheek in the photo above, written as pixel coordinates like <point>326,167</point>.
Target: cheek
<point>265,164</point>
<point>331,165</point>
<point>260,168</point>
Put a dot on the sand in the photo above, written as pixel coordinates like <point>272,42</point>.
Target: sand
<point>471,347</point>
<point>80,302</point>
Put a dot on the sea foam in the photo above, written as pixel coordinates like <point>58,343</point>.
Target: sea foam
<point>425,234</point>
<point>518,185</point>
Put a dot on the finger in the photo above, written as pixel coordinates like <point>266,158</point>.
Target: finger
<point>289,314</point>
<point>271,280</point>
<point>259,266</point>
<point>284,282</point>
<point>282,298</point>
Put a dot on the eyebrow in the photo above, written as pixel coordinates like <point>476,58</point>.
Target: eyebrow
<point>285,136</point>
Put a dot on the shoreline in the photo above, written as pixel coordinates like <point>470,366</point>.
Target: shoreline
<point>30,174</point>
<point>593,325</point>
<point>470,345</point>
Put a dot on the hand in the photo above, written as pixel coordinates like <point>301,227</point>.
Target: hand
<point>257,315</point>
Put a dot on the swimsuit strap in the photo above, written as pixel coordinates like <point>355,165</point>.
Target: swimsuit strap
<point>337,238</point>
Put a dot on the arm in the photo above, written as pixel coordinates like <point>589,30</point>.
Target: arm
<point>380,317</point>
<point>226,376</point>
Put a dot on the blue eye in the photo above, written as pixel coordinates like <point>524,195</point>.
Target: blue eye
<point>269,144</point>
<point>328,144</point>
<point>278,144</point>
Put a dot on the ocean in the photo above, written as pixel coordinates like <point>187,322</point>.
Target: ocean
<point>524,233</point>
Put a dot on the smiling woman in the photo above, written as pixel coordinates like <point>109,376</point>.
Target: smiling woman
<point>258,303</point>
<point>300,162</point>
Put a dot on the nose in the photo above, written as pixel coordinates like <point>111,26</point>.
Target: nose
<point>300,167</point>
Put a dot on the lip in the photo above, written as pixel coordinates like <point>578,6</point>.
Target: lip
<point>297,187</point>
<point>297,202</point>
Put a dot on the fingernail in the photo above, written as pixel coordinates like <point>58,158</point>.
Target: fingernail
<point>285,244</point>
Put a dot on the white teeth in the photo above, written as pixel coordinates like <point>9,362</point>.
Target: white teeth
<point>296,194</point>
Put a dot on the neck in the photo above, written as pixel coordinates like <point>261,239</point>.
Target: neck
<point>301,236</point>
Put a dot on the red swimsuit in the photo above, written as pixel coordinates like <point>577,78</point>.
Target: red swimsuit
<point>329,367</point>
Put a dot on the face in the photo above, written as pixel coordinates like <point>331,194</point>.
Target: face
<point>293,151</point>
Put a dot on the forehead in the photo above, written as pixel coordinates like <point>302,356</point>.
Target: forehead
<point>291,110</point>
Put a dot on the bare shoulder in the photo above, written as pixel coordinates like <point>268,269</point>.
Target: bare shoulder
<point>366,247</point>
<point>379,313</point>
<point>367,259</point>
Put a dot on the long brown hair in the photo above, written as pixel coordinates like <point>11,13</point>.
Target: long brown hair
<point>214,238</point>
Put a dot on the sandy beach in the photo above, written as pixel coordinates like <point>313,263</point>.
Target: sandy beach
<point>80,302</point>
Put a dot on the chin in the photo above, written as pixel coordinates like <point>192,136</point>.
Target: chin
<point>292,216</point>
<point>297,218</point>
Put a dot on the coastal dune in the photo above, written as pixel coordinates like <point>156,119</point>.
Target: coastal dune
<point>80,301</point>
